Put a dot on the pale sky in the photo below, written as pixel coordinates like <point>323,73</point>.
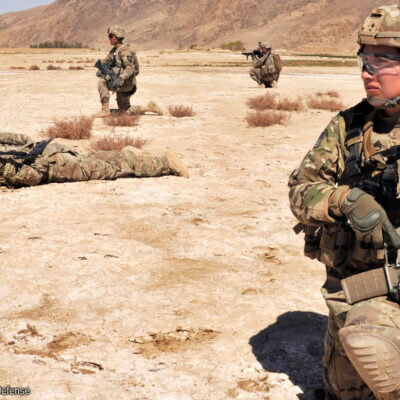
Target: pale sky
<point>18,5</point>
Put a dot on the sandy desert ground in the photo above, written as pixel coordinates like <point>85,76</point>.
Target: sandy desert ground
<point>163,288</point>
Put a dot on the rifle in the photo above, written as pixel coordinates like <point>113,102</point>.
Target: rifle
<point>253,54</point>
<point>106,71</point>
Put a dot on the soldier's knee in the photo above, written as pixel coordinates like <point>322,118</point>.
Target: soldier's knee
<point>375,357</point>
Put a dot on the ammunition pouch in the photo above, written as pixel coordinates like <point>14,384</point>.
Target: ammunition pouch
<point>312,240</point>
<point>374,283</point>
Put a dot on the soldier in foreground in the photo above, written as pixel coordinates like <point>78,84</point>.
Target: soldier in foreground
<point>345,192</point>
<point>266,66</point>
<point>26,163</point>
<point>117,73</point>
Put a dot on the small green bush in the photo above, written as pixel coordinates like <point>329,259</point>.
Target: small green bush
<point>235,46</point>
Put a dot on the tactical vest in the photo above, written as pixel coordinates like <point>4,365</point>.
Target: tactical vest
<point>334,244</point>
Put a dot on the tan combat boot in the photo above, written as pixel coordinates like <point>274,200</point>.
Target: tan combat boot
<point>105,111</point>
<point>176,164</point>
<point>152,107</point>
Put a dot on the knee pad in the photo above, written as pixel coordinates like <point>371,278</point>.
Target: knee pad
<point>375,358</point>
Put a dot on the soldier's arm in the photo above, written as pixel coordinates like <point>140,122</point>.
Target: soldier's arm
<point>314,195</point>
<point>259,62</point>
<point>135,63</point>
<point>128,63</point>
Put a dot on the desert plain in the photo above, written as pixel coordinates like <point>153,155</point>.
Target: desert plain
<point>163,288</point>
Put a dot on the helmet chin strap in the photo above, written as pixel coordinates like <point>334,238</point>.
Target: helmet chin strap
<point>381,103</point>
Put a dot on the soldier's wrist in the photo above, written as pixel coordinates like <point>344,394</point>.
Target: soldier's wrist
<point>336,200</point>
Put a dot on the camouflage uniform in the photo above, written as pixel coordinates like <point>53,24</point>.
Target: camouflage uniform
<point>59,163</point>
<point>315,189</point>
<point>362,341</point>
<point>126,66</point>
<point>264,70</point>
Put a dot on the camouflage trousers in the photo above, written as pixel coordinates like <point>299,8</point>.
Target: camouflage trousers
<point>375,316</point>
<point>123,94</point>
<point>260,77</point>
<point>60,165</point>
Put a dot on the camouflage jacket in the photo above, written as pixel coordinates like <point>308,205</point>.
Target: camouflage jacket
<point>124,63</point>
<point>266,63</point>
<point>341,158</point>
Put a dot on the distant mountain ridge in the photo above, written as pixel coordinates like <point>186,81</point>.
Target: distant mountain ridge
<point>301,25</point>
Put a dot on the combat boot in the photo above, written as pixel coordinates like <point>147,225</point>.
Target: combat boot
<point>152,107</point>
<point>176,164</point>
<point>105,111</point>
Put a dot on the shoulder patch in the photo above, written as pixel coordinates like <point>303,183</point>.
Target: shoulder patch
<point>319,140</point>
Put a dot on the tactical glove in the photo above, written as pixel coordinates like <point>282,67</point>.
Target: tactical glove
<point>118,82</point>
<point>98,74</point>
<point>366,217</point>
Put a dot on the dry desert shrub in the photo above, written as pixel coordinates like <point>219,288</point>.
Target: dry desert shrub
<point>330,93</point>
<point>52,67</point>
<point>60,61</point>
<point>122,120</point>
<point>117,143</point>
<point>264,102</point>
<point>78,68</point>
<point>266,118</point>
<point>325,103</point>
<point>286,104</point>
<point>181,111</point>
<point>270,101</point>
<point>76,128</point>
<point>34,68</point>
<point>17,67</point>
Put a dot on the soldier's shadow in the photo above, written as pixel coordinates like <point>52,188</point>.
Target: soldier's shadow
<point>293,345</point>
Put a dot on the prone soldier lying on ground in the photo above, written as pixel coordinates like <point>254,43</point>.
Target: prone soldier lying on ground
<point>24,162</point>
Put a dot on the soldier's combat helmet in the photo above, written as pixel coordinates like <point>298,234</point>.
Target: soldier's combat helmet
<point>116,30</point>
<point>267,45</point>
<point>382,27</point>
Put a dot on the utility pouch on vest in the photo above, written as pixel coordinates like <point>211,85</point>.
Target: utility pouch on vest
<point>312,239</point>
<point>367,285</point>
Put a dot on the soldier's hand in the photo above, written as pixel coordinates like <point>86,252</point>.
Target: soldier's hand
<point>367,218</point>
<point>98,73</point>
<point>118,82</point>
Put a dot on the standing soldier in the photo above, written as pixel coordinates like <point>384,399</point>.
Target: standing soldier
<point>125,66</point>
<point>266,67</point>
<point>345,192</point>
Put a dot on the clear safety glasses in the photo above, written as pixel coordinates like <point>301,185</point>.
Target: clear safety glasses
<point>378,64</point>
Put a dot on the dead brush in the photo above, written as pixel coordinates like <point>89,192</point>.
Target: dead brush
<point>270,101</point>
<point>117,143</point>
<point>74,129</point>
<point>122,120</point>
<point>324,103</point>
<point>77,68</point>
<point>181,111</point>
<point>52,67</point>
<point>266,118</point>
<point>13,67</point>
<point>330,93</point>
<point>264,102</point>
<point>34,68</point>
<point>60,61</point>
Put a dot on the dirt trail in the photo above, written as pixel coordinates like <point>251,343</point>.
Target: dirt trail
<point>164,288</point>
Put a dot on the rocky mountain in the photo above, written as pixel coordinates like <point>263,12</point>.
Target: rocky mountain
<point>301,25</point>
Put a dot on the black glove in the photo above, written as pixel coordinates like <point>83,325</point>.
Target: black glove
<point>367,217</point>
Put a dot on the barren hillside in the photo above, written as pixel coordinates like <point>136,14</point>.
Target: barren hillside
<point>302,25</point>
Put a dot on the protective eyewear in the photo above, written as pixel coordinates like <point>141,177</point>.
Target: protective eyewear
<point>110,35</point>
<point>379,64</point>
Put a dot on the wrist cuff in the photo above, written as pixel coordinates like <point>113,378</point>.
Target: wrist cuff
<point>335,201</point>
